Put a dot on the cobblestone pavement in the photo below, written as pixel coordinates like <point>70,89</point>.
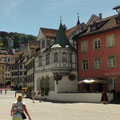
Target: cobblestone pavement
<point>60,111</point>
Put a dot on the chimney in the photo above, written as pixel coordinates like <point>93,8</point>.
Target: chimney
<point>100,16</point>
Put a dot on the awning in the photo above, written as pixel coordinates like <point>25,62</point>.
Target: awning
<point>91,81</point>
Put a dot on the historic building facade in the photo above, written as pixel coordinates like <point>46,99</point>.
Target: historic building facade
<point>98,53</point>
<point>56,63</point>
<point>30,65</point>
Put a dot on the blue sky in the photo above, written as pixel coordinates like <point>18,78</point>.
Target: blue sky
<point>27,16</point>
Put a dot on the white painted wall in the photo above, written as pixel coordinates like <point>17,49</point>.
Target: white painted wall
<point>78,97</point>
<point>65,85</point>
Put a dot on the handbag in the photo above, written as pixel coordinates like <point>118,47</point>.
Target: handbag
<point>23,116</point>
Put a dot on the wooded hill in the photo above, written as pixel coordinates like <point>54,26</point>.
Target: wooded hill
<point>16,37</point>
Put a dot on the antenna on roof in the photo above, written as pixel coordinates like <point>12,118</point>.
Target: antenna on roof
<point>78,22</point>
<point>60,20</point>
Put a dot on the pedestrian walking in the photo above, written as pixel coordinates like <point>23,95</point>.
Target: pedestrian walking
<point>5,90</point>
<point>33,95</point>
<point>39,95</point>
<point>18,109</point>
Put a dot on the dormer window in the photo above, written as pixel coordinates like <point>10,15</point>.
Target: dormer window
<point>117,8</point>
<point>93,28</point>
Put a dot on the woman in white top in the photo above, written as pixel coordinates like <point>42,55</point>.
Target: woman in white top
<point>18,109</point>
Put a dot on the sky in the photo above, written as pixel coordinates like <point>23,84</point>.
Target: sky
<point>27,16</point>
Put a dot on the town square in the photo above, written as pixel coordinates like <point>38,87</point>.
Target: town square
<point>47,110</point>
<point>60,60</point>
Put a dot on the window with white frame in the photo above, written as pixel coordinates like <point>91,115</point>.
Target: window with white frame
<point>110,40</point>
<point>84,64</point>
<point>96,44</point>
<point>84,46</point>
<point>55,57</point>
<point>47,59</point>
<point>111,61</point>
<point>97,63</point>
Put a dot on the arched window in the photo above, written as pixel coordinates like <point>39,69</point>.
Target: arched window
<point>42,82</point>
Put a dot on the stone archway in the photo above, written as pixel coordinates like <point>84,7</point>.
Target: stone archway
<point>47,85</point>
<point>42,82</point>
<point>42,85</point>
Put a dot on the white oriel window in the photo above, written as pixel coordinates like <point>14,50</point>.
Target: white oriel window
<point>111,61</point>
<point>110,40</point>
<point>55,57</point>
<point>84,64</point>
<point>84,46</point>
<point>96,44</point>
<point>97,63</point>
<point>47,59</point>
<point>64,59</point>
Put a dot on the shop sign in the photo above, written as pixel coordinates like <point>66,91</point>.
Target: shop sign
<point>112,73</point>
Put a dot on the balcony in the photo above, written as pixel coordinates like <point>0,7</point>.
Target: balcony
<point>63,68</point>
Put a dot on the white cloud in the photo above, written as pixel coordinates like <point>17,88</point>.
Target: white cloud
<point>11,6</point>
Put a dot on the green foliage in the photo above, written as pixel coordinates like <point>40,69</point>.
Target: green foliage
<point>21,38</point>
<point>16,37</point>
